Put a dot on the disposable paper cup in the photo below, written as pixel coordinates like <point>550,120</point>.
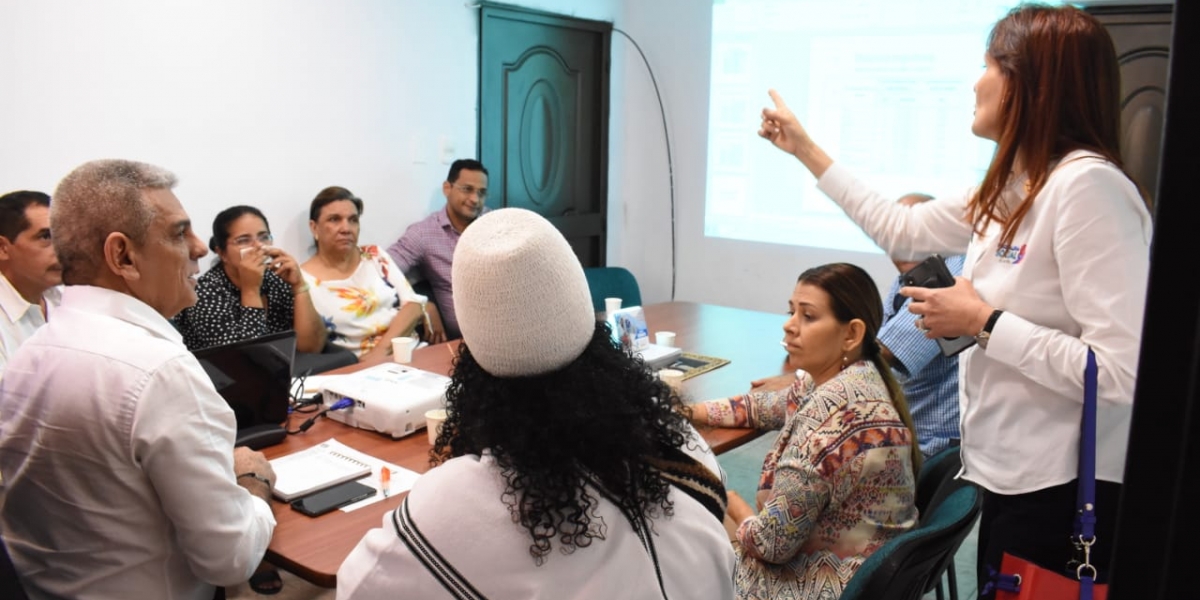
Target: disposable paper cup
<point>433,423</point>
<point>672,377</point>
<point>612,305</point>
<point>665,338</point>
<point>402,349</point>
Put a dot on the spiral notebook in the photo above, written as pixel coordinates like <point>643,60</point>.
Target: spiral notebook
<point>316,468</point>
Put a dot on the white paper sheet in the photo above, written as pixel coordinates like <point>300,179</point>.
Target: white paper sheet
<point>401,479</point>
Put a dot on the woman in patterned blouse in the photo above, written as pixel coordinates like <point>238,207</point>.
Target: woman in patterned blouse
<point>840,479</point>
<point>363,297</point>
<point>254,289</point>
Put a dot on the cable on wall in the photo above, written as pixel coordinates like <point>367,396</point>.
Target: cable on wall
<point>670,164</point>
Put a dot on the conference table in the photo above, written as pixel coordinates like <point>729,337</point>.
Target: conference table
<point>314,548</point>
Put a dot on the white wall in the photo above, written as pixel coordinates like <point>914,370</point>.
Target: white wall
<point>262,102</point>
<point>265,102</point>
<point>676,37</point>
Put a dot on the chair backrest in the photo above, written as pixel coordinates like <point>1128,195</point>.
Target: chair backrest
<point>329,358</point>
<point>939,469</point>
<point>904,568</point>
<point>612,282</point>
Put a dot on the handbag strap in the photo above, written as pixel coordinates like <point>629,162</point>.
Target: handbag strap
<point>1085,515</point>
<point>1085,497</point>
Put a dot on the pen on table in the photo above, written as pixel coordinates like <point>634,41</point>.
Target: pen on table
<point>385,480</point>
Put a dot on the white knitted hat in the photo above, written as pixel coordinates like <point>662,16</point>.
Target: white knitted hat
<point>522,300</point>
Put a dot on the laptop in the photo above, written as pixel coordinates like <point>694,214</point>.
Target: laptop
<point>254,377</point>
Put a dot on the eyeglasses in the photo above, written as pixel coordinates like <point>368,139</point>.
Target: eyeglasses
<point>245,240</point>
<point>469,190</point>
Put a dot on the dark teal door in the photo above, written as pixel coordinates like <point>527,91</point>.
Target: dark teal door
<point>543,126</point>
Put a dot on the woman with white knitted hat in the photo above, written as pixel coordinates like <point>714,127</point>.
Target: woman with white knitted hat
<point>569,474</point>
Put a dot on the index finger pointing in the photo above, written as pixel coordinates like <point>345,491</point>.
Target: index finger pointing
<point>777,99</point>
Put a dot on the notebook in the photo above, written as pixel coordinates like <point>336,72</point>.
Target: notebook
<point>254,377</point>
<point>314,469</point>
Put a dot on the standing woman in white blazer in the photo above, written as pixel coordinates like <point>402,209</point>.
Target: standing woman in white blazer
<point>1057,239</point>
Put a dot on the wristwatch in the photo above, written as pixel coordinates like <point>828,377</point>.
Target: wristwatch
<point>985,334</point>
<point>257,477</point>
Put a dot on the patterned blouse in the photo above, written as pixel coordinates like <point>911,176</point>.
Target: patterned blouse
<point>358,310</point>
<point>836,486</point>
<point>218,316</point>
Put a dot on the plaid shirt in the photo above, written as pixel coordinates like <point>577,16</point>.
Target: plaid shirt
<point>424,253</point>
<point>930,380</point>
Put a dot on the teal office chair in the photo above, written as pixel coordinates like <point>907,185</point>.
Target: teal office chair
<point>612,282</point>
<point>939,469</point>
<point>905,567</point>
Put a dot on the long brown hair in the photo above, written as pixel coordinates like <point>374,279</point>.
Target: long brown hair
<point>1061,93</point>
<point>853,295</point>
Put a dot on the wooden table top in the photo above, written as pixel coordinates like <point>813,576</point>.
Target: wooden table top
<point>314,548</point>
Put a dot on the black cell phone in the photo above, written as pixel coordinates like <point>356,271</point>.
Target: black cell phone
<point>932,273</point>
<point>929,273</point>
<point>337,496</point>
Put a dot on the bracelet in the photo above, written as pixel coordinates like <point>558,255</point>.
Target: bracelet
<point>303,289</point>
<point>258,477</point>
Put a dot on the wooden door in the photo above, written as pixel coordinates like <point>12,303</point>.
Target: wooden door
<point>543,125</point>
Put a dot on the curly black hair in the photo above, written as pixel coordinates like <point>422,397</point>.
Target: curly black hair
<point>596,420</point>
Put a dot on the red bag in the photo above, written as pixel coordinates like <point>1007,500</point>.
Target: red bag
<point>1031,582</point>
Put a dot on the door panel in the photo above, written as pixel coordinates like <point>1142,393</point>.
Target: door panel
<point>1142,36</point>
<point>543,130</point>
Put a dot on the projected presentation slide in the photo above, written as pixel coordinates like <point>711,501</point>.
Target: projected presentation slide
<point>884,86</point>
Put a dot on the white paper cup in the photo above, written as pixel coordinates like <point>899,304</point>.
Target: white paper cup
<point>402,349</point>
<point>665,338</point>
<point>433,423</point>
<point>611,305</point>
<point>672,377</point>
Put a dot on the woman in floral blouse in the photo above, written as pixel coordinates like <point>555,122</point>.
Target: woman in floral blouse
<point>363,297</point>
<point>840,479</point>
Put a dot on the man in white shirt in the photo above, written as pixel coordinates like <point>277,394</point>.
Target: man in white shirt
<point>120,476</point>
<point>29,270</point>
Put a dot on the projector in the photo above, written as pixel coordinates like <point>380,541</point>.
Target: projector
<point>389,398</point>
<point>658,357</point>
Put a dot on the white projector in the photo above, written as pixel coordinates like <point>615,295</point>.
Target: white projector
<point>658,357</point>
<point>389,398</point>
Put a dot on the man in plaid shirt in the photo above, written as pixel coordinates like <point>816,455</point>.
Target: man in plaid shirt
<point>426,249</point>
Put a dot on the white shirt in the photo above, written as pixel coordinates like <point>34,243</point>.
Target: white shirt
<point>117,455</point>
<point>1075,276</point>
<point>20,318</point>
<point>458,508</point>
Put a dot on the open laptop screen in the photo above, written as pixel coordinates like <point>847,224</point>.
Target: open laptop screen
<point>254,376</point>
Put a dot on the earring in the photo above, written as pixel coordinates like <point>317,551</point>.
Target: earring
<point>845,361</point>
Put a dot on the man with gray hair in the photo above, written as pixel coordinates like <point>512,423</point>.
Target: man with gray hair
<point>120,475</point>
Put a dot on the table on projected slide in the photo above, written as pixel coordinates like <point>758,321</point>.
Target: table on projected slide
<point>314,548</point>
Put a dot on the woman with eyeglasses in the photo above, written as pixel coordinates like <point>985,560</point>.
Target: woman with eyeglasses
<point>362,295</point>
<point>253,289</point>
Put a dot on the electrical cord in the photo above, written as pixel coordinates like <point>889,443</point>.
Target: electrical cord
<point>670,163</point>
<point>296,400</point>
<point>309,422</point>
